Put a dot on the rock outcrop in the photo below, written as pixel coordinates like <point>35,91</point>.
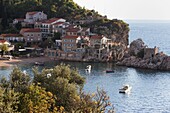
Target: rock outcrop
<point>159,61</point>
<point>136,46</point>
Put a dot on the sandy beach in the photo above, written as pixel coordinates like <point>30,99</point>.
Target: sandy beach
<point>16,61</point>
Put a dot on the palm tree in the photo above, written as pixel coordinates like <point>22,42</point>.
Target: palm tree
<point>3,49</point>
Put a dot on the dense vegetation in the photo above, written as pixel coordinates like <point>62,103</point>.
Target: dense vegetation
<point>56,90</point>
<point>11,9</point>
<point>67,9</point>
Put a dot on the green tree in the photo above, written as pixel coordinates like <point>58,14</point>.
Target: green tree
<point>3,48</point>
<point>38,100</point>
<point>57,36</point>
<point>9,100</point>
<point>19,80</point>
<point>66,83</point>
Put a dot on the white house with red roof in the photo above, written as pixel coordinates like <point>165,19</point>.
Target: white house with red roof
<point>12,37</point>
<point>76,31</point>
<point>100,41</point>
<point>34,16</point>
<point>31,34</point>
<point>69,43</point>
<point>59,26</point>
<point>47,27</point>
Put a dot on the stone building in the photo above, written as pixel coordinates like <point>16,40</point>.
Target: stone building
<point>150,52</point>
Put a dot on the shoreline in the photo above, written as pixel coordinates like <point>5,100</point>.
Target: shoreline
<point>15,61</point>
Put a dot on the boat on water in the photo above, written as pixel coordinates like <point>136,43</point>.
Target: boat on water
<point>110,71</point>
<point>39,63</point>
<point>125,89</point>
<point>88,68</point>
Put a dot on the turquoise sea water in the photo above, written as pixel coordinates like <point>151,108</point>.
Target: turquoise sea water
<point>150,88</point>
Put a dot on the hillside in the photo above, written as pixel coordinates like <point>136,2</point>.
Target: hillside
<point>67,9</point>
<point>53,8</point>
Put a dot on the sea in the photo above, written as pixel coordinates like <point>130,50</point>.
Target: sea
<point>150,91</point>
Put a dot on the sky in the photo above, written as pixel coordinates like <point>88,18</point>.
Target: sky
<point>130,9</point>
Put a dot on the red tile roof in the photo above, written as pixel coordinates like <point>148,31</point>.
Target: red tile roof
<point>32,13</point>
<point>96,37</point>
<point>49,21</point>
<point>2,41</point>
<point>58,23</point>
<point>71,37</point>
<point>20,19</point>
<point>30,30</point>
<point>40,21</point>
<point>11,35</point>
<point>72,30</point>
<point>24,29</point>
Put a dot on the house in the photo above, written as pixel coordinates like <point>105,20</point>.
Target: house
<point>76,31</point>
<point>47,26</point>
<point>31,34</point>
<point>59,26</point>
<point>38,24</point>
<point>69,43</point>
<point>100,45</point>
<point>18,20</point>
<point>58,54</point>
<point>101,41</point>
<point>12,37</point>
<point>34,16</point>
<point>73,31</point>
<point>96,41</point>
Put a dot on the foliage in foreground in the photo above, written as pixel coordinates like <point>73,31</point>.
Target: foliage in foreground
<point>57,90</point>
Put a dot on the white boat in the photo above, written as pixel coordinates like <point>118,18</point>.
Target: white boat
<point>125,89</point>
<point>88,68</point>
<point>39,63</point>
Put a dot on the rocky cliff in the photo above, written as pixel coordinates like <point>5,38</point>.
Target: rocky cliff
<point>136,58</point>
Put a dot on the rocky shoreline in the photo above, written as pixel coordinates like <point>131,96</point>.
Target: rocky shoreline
<point>145,63</point>
<point>140,56</point>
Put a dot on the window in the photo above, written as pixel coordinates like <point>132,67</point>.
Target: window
<point>31,34</point>
<point>49,54</point>
<point>52,53</point>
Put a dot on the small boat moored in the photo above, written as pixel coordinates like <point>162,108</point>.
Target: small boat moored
<point>88,68</point>
<point>110,71</point>
<point>39,63</point>
<point>125,89</point>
